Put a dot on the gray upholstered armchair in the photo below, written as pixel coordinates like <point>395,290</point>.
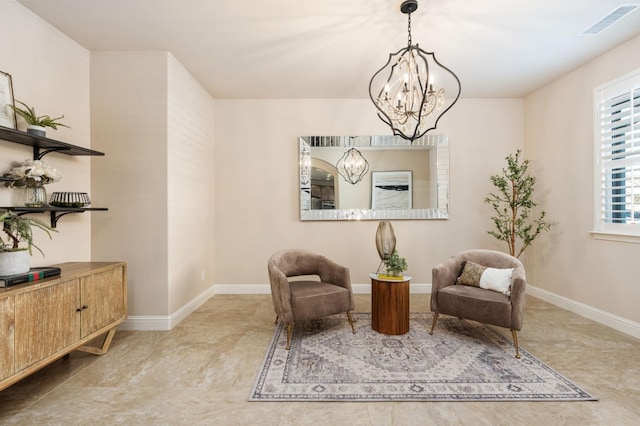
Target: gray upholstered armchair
<point>301,300</point>
<point>476,303</point>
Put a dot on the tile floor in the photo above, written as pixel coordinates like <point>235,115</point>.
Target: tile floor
<point>202,371</point>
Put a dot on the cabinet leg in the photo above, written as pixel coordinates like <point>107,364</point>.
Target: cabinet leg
<point>104,348</point>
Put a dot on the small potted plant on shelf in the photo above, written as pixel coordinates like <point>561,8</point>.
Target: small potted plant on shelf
<point>395,265</point>
<point>37,124</point>
<point>17,243</point>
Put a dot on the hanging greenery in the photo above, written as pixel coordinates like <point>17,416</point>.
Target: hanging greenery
<point>512,205</point>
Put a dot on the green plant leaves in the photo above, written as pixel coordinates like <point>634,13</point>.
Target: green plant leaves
<point>512,204</point>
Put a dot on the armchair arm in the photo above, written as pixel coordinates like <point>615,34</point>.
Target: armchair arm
<point>281,295</point>
<point>518,289</point>
<point>331,272</point>
<point>444,275</point>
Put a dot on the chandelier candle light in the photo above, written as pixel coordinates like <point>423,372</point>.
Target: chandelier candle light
<point>409,91</point>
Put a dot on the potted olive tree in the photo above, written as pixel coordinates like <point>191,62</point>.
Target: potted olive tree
<point>16,241</point>
<point>514,221</point>
<point>37,124</point>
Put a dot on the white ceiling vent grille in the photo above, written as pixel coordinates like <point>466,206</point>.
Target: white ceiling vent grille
<point>614,16</point>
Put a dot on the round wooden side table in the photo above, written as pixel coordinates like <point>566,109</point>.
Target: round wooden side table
<point>390,305</point>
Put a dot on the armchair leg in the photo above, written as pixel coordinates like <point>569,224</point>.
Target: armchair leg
<point>276,321</point>
<point>289,330</point>
<point>435,320</point>
<point>351,322</point>
<point>515,342</point>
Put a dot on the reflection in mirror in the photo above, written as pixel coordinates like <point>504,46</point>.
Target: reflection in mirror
<point>406,180</point>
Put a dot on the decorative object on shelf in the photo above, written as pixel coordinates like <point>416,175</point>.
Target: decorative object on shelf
<point>403,90</point>
<point>34,196</point>
<point>36,124</point>
<point>70,199</point>
<point>352,166</point>
<point>385,242</point>
<point>7,113</point>
<point>31,176</point>
<point>18,229</point>
<point>33,274</point>
<point>395,266</point>
<point>31,173</point>
<point>513,204</point>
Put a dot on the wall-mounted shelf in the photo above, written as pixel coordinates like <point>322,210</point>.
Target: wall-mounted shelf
<point>55,212</point>
<point>42,145</point>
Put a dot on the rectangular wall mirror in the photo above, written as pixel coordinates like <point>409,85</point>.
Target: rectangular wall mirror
<point>404,180</point>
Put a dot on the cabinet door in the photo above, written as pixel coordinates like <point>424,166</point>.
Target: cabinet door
<point>47,320</point>
<point>103,294</point>
<point>6,337</point>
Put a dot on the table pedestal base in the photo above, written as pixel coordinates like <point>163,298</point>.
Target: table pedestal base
<point>390,306</point>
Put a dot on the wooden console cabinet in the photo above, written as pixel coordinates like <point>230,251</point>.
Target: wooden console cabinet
<point>45,320</point>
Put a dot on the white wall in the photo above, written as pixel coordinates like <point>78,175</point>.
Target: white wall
<point>190,173</point>
<point>256,169</point>
<point>51,73</point>
<point>559,141</point>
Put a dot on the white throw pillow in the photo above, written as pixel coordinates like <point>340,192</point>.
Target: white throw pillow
<point>497,280</point>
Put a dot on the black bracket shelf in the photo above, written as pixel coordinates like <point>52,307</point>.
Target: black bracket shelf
<point>43,145</point>
<point>55,212</point>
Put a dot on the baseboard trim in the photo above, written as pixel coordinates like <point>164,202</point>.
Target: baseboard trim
<point>266,288</point>
<point>616,322</point>
<point>167,322</point>
<point>151,322</point>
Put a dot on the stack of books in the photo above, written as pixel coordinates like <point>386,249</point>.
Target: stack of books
<point>34,274</point>
<point>391,277</point>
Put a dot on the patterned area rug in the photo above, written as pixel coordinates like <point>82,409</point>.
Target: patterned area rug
<point>462,361</point>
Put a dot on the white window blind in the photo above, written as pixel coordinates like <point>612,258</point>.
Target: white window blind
<point>617,155</point>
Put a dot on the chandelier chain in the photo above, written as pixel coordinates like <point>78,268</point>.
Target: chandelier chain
<point>409,29</point>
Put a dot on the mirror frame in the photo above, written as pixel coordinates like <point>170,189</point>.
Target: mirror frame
<point>438,142</point>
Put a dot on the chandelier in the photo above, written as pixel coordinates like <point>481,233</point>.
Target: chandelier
<point>409,91</point>
<point>352,166</point>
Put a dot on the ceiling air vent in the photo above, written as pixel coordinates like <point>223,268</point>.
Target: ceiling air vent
<point>614,16</point>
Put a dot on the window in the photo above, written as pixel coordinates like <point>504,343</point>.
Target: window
<point>617,156</point>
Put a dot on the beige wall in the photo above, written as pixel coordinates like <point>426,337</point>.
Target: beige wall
<point>51,73</point>
<point>129,123</point>
<point>559,141</point>
<point>155,123</point>
<point>256,169</point>
<point>190,173</point>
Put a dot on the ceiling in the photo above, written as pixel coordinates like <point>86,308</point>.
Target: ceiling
<point>331,48</point>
